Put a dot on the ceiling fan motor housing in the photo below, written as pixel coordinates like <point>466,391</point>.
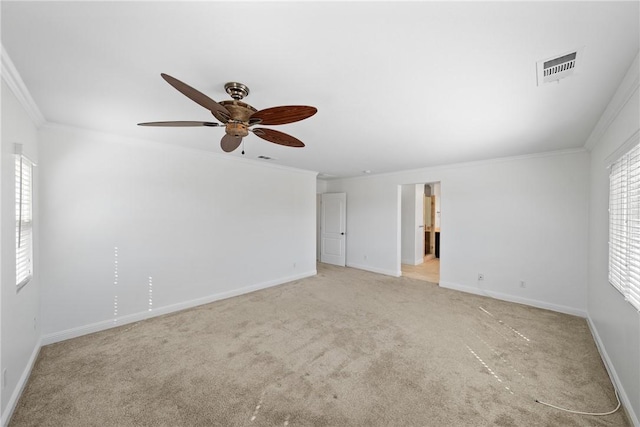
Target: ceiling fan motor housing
<point>238,111</point>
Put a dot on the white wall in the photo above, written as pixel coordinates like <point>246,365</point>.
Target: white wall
<point>321,186</point>
<point>20,337</point>
<point>373,223</point>
<point>201,225</point>
<point>511,219</point>
<point>615,323</point>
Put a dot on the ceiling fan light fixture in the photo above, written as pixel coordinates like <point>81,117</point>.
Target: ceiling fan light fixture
<point>236,129</point>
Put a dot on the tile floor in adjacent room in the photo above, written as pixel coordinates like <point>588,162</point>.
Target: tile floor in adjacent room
<point>428,271</point>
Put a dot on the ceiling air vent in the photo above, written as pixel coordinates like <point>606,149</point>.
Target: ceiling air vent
<point>556,68</point>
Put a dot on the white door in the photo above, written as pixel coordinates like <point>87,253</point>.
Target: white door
<point>419,241</point>
<point>332,228</point>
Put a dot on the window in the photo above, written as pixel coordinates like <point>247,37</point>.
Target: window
<point>24,221</point>
<point>624,226</point>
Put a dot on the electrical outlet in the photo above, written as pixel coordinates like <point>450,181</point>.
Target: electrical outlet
<point>365,257</point>
<point>523,284</point>
<point>480,276</point>
<point>294,265</point>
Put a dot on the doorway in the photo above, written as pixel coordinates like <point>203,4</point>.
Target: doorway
<point>423,225</point>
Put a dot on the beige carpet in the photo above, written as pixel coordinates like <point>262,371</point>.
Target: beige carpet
<point>344,348</point>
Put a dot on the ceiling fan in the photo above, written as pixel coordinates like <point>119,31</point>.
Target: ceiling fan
<point>238,117</point>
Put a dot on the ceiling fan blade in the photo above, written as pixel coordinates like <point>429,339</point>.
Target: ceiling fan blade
<point>180,124</point>
<point>283,115</point>
<point>229,143</point>
<point>278,137</point>
<point>197,96</point>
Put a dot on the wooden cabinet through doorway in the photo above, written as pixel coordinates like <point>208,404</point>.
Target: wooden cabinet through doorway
<point>429,225</point>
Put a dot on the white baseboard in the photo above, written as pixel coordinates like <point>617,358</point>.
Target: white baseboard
<point>136,317</point>
<point>615,379</point>
<point>22,382</point>
<point>514,298</point>
<point>375,270</point>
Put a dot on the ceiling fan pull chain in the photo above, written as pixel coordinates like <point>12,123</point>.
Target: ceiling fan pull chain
<point>243,147</point>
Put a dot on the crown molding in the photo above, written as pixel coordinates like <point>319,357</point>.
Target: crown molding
<point>12,78</point>
<point>447,166</point>
<point>625,91</point>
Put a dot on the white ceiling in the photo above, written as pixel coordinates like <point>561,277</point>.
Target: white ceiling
<point>397,85</point>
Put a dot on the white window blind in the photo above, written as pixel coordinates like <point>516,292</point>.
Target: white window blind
<point>24,220</point>
<point>624,226</point>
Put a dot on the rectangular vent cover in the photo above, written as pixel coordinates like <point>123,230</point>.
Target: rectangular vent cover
<point>556,68</point>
